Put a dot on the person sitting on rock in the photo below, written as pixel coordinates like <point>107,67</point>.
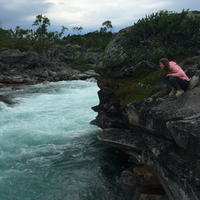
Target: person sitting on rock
<point>176,79</point>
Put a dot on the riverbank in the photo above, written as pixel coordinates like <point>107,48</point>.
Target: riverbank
<point>47,65</point>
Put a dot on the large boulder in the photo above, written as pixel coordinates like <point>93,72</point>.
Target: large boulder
<point>112,56</point>
<point>10,56</point>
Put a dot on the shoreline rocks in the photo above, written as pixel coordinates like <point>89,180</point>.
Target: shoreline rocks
<point>47,65</point>
<point>17,68</point>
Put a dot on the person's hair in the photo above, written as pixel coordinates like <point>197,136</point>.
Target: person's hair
<point>165,62</point>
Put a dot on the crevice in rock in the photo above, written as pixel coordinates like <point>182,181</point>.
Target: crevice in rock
<point>144,181</point>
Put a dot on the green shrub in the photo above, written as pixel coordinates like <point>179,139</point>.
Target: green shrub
<point>129,91</point>
<point>70,50</point>
<point>98,40</point>
<point>152,78</point>
<point>163,34</point>
<point>80,63</point>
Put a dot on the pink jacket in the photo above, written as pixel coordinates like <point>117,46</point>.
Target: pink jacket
<point>177,71</point>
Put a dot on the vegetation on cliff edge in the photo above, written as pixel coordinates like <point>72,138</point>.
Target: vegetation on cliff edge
<point>129,89</point>
<point>162,34</point>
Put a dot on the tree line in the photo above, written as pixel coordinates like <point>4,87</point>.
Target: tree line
<point>26,39</point>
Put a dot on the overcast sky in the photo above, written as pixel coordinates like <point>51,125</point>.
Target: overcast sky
<point>90,14</point>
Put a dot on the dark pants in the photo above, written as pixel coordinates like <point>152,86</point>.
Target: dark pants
<point>173,81</point>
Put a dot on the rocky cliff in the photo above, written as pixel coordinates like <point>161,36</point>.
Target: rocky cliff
<point>49,64</point>
<point>160,133</point>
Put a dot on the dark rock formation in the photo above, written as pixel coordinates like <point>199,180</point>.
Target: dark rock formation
<point>160,133</point>
<point>45,65</point>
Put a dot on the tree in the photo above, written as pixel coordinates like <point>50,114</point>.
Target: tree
<point>21,33</point>
<point>103,30</point>
<point>42,22</point>
<point>55,36</point>
<point>107,24</point>
<point>62,31</point>
<point>4,34</point>
<point>78,29</point>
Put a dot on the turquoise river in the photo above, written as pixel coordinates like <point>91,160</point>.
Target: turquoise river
<point>49,150</point>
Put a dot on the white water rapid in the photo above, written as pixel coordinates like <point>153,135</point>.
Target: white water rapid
<point>49,150</point>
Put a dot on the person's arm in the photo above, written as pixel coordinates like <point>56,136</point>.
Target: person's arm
<point>169,75</point>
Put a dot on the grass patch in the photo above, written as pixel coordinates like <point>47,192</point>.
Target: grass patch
<point>70,50</point>
<point>143,72</point>
<point>152,78</point>
<point>128,93</point>
<point>128,90</point>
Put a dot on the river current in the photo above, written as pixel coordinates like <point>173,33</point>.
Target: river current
<point>49,150</point>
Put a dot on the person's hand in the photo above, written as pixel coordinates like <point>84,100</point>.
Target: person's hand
<point>169,75</point>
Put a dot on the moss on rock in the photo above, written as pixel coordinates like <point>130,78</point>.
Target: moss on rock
<point>128,90</point>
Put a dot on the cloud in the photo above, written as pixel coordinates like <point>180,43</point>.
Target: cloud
<point>89,14</point>
<point>20,12</point>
